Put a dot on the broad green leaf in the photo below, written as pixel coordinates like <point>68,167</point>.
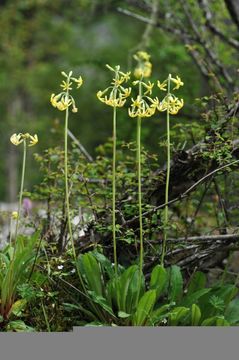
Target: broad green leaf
<point>123,315</point>
<point>195,315</point>
<point>105,263</point>
<point>159,314</point>
<point>177,315</point>
<point>128,289</point>
<point>112,292</point>
<point>18,269</point>
<point>91,271</point>
<point>232,312</point>
<point>215,321</point>
<point>19,326</point>
<point>102,302</point>
<point>175,284</point>
<point>192,298</point>
<point>158,279</point>
<point>197,282</point>
<point>144,308</point>
<point>222,322</point>
<point>135,291</point>
<point>209,321</point>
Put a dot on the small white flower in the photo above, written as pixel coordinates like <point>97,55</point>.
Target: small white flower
<point>60,267</point>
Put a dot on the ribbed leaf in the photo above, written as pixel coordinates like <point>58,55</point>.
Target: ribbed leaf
<point>197,282</point>
<point>158,315</point>
<point>128,289</point>
<point>145,307</point>
<point>177,315</point>
<point>105,263</point>
<point>195,315</point>
<point>102,302</point>
<point>158,279</point>
<point>215,321</point>
<point>175,284</point>
<point>232,312</point>
<point>91,271</point>
<point>194,297</point>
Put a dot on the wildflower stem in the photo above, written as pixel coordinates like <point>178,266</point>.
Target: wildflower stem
<point>66,179</point>
<point>21,188</point>
<point>141,254</point>
<point>114,190</point>
<point>167,180</point>
<point>68,203</point>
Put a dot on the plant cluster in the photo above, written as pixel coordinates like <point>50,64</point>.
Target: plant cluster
<point>99,289</point>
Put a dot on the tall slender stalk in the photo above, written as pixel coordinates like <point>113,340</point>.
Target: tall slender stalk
<point>66,176</point>
<point>141,254</point>
<point>67,197</point>
<point>167,179</point>
<point>114,191</point>
<point>21,188</point>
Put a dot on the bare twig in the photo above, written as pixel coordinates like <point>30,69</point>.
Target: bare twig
<point>81,147</point>
<point>183,195</point>
<point>208,22</point>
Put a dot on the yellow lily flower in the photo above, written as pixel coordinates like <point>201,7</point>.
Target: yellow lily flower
<point>33,140</point>
<point>16,139</point>
<point>178,82</point>
<point>162,86</point>
<point>78,81</point>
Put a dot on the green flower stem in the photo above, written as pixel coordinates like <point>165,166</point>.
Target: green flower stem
<point>114,191</point>
<point>167,180</point>
<point>21,188</point>
<point>68,203</point>
<point>141,254</point>
<point>10,282</point>
<point>66,179</point>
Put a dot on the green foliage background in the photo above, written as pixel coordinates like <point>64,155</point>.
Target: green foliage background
<point>42,38</point>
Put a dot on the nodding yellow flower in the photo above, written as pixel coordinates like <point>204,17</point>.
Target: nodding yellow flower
<point>54,99</point>
<point>171,103</point>
<point>116,94</point>
<point>63,104</point>
<point>126,92</point>
<point>143,108</point>
<point>78,82</point>
<point>177,81</point>
<point>162,86</point>
<point>14,215</point>
<point>16,139</point>
<point>74,109</point>
<point>33,140</point>
<point>111,101</point>
<point>64,100</point>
